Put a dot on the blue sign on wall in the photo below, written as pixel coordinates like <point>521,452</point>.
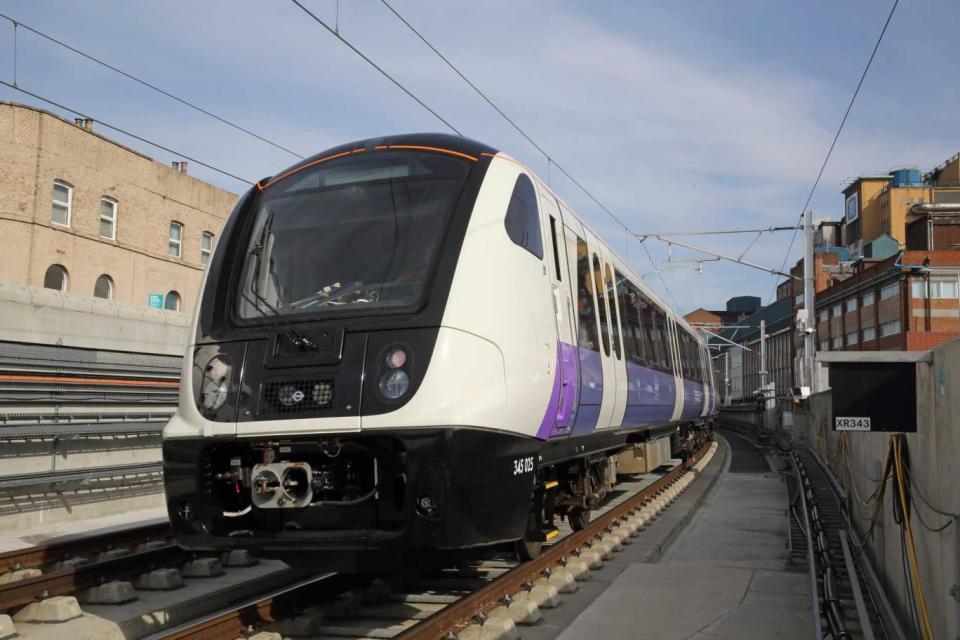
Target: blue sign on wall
<point>155,300</point>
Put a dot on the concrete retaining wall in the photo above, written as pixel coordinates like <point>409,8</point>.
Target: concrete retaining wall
<point>45,316</point>
<point>934,453</point>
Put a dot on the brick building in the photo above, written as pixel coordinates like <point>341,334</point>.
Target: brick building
<point>84,214</point>
<point>910,301</point>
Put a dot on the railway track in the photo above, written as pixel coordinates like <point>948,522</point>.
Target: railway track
<point>28,574</point>
<point>848,600</point>
<point>478,599</point>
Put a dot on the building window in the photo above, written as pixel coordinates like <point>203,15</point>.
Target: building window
<point>889,328</point>
<point>868,299</point>
<point>889,291</point>
<point>943,289</point>
<point>103,288</point>
<point>798,300</point>
<point>206,247</point>
<point>172,301</point>
<point>918,288</point>
<point>822,315</point>
<point>837,310</point>
<point>108,218</point>
<point>836,343</point>
<point>851,304</point>
<point>869,333</point>
<point>523,219</point>
<point>176,238</point>
<point>852,338</point>
<point>824,345</point>
<point>55,278</point>
<point>62,203</point>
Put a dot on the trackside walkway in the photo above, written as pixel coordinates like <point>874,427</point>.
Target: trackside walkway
<point>724,577</point>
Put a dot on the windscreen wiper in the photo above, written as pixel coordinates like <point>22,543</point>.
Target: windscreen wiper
<point>292,334</point>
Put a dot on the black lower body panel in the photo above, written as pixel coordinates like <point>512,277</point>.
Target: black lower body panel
<point>432,489</point>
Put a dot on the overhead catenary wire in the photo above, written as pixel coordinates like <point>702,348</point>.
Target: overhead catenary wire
<point>843,121</point>
<point>551,161</point>
<point>126,132</point>
<point>336,33</point>
<point>149,85</point>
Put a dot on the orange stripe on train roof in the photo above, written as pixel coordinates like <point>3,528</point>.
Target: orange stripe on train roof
<point>361,150</point>
<point>77,380</point>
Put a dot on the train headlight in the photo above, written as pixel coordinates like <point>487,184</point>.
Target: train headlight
<point>216,384</point>
<point>396,358</point>
<point>394,384</point>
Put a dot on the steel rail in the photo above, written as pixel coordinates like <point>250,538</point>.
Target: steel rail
<point>73,579</point>
<point>78,477</point>
<point>234,621</point>
<point>453,618</point>
<point>44,554</point>
<point>801,489</point>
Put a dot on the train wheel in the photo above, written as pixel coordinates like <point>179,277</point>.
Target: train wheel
<point>578,518</point>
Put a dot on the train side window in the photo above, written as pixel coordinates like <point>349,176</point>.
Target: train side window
<point>663,337</point>
<point>611,301</point>
<point>601,306</point>
<point>587,337</point>
<point>656,342</point>
<point>627,295</point>
<point>556,247</point>
<point>523,218</point>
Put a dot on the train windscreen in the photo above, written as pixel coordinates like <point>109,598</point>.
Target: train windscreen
<point>358,235</point>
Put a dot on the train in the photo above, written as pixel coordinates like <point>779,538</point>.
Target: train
<point>410,344</point>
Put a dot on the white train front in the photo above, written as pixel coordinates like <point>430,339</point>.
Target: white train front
<point>409,343</point>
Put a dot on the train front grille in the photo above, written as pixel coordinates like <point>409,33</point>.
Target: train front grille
<point>296,396</point>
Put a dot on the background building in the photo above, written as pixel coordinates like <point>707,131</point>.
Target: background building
<point>84,214</point>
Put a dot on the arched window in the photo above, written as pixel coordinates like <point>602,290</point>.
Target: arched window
<point>62,203</point>
<point>55,278</point>
<point>523,218</point>
<point>108,218</point>
<point>172,301</point>
<point>103,288</point>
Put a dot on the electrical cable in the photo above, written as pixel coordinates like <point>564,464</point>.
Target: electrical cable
<point>125,132</point>
<point>840,128</point>
<point>373,64</point>
<point>897,443</point>
<point>164,92</point>
<point>509,120</point>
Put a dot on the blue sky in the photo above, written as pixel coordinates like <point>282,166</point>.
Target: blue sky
<point>676,115</point>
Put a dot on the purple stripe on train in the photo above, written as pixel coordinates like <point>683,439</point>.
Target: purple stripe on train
<point>651,395</point>
<point>563,397</point>
<point>692,399</point>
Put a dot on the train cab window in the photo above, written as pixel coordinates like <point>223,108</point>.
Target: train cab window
<point>611,301</point>
<point>523,218</point>
<point>587,337</point>
<point>356,235</point>
<point>601,306</point>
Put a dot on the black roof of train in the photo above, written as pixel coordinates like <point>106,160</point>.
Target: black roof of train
<point>439,140</point>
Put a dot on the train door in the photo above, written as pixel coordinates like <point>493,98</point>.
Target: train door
<point>586,327</point>
<point>565,388</point>
<point>608,358</point>
<point>676,366</point>
<point>617,346</point>
<point>705,378</point>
